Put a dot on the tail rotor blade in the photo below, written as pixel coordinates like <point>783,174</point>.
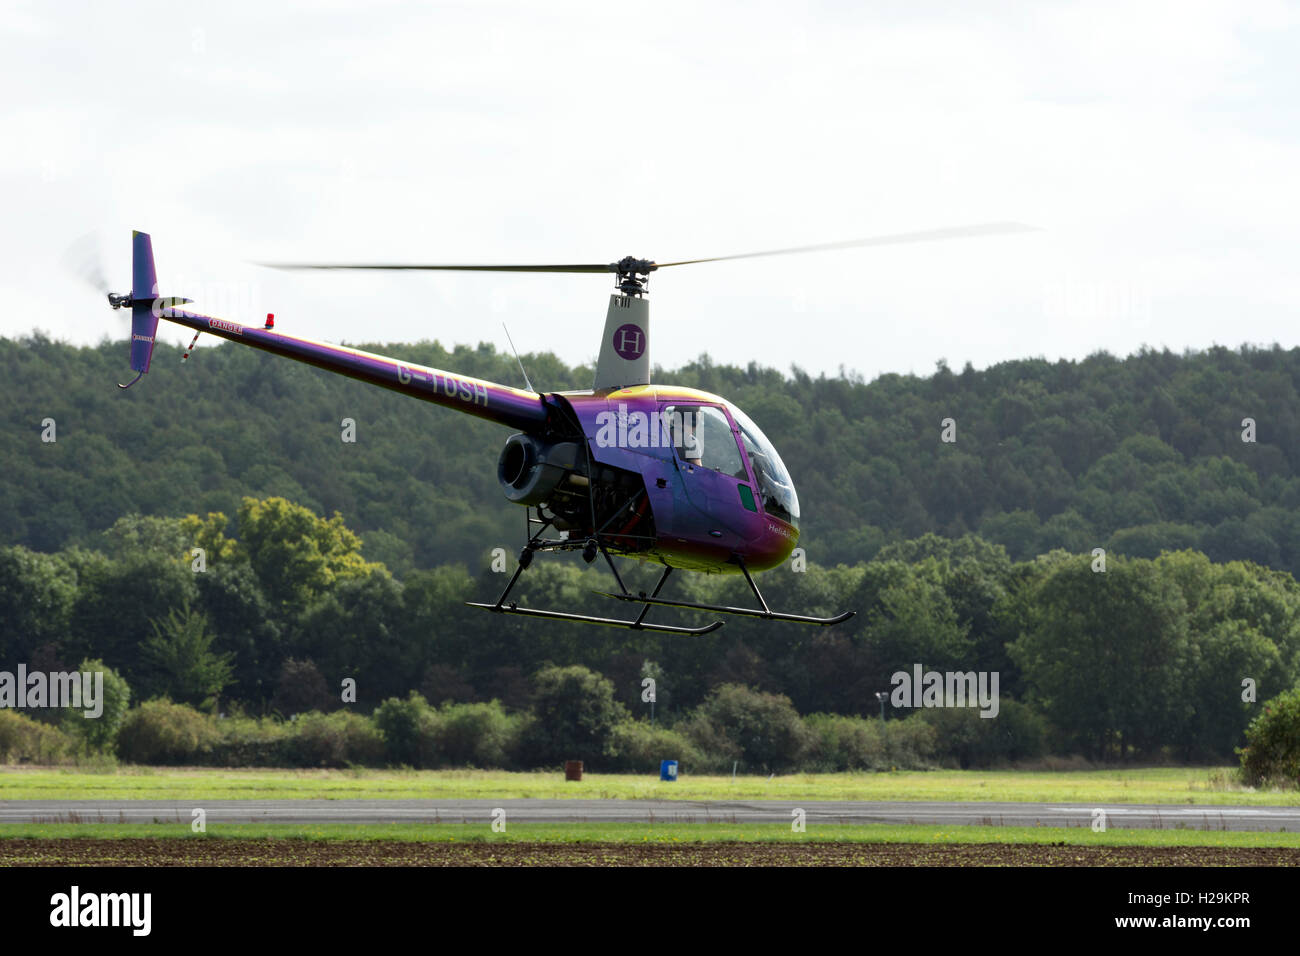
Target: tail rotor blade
<point>84,258</point>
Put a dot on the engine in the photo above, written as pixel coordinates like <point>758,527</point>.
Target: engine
<point>578,495</point>
<point>533,471</point>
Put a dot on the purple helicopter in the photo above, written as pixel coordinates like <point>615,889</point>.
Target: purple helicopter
<point>670,475</point>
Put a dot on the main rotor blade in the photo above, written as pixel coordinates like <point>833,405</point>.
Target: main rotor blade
<point>931,235</point>
<point>589,267</point>
<point>643,266</point>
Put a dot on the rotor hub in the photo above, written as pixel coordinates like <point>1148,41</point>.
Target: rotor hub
<point>633,274</point>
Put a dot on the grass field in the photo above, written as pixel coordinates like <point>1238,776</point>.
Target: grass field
<point>1165,785</point>
<point>657,833</point>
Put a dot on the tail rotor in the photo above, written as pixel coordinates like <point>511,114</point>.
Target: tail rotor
<point>143,300</point>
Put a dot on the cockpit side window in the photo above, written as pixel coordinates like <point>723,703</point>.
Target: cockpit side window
<point>774,485</point>
<point>702,437</point>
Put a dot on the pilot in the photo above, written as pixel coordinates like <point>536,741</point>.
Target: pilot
<point>689,444</point>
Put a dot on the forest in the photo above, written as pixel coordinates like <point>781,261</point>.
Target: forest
<point>325,561</point>
<point>1135,455</point>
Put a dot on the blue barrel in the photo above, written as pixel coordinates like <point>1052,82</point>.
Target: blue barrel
<point>668,770</point>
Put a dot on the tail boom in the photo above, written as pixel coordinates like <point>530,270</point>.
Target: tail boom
<point>498,403</point>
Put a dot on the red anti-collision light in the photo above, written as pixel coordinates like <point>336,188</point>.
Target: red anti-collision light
<point>270,320</point>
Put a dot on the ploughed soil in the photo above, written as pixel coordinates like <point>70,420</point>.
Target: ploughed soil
<point>295,852</point>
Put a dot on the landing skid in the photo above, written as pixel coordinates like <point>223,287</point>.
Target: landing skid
<point>637,625</point>
<point>535,543</point>
<point>765,613</point>
<point>595,545</point>
<point>725,609</point>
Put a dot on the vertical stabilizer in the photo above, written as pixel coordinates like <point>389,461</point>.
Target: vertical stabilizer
<point>625,348</point>
<point>144,289</point>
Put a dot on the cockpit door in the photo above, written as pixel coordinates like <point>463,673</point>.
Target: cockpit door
<point>708,456</point>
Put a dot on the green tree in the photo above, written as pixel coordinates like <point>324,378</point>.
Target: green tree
<point>575,715</point>
<point>1272,751</point>
<point>117,603</point>
<point>100,733</point>
<point>908,617</point>
<point>296,554</point>
<point>1243,622</point>
<point>244,625</point>
<point>765,729</point>
<point>1104,655</point>
<point>409,727</point>
<point>146,534</point>
<point>180,662</point>
<point>37,595</point>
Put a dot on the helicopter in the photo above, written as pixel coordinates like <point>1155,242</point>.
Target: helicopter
<point>664,474</point>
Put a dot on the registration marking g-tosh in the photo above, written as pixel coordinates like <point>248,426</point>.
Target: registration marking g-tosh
<point>475,393</point>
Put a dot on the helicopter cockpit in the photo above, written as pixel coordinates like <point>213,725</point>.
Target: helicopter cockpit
<point>775,488</point>
<point>703,438</point>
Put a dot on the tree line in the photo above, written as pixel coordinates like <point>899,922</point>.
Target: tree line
<point>278,611</point>
<point>1157,451</point>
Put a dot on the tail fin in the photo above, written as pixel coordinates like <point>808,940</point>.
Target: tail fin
<point>624,353</point>
<point>144,289</point>
<point>145,304</point>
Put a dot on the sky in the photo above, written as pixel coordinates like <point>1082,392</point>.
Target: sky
<point>1153,145</point>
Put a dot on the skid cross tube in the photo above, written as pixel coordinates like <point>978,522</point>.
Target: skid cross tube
<point>610,561</point>
<point>645,609</point>
<point>752,586</point>
<point>766,613</point>
<point>526,558</point>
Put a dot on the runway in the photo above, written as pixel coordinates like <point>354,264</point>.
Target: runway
<point>1117,816</point>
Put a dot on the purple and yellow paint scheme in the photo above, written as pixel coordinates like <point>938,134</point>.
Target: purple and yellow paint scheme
<point>703,517</point>
<point>700,515</point>
<point>498,403</point>
<point>719,502</point>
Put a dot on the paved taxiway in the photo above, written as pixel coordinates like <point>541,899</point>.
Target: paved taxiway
<point>651,811</point>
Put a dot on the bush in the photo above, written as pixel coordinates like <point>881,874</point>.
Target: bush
<point>100,733</point>
<point>1272,752</point>
<point>845,743</point>
<point>638,748</point>
<point>249,742</point>
<point>339,739</point>
<point>763,728</point>
<point>718,752</point>
<point>301,688</point>
<point>969,740</point>
<point>409,730</point>
<point>178,734</point>
<point>475,735</point>
<point>909,743</point>
<point>160,732</point>
<point>25,740</point>
<point>575,715</point>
